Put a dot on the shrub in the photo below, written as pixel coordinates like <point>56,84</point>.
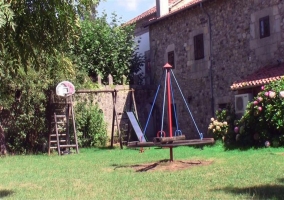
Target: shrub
<point>221,126</point>
<point>90,125</point>
<point>263,121</point>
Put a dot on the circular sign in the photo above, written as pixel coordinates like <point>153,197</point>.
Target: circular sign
<point>65,88</point>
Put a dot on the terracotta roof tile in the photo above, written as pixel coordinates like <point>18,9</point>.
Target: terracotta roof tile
<point>262,76</point>
<point>143,15</point>
<point>153,10</point>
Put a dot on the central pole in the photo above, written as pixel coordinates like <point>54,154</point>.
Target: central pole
<point>168,67</point>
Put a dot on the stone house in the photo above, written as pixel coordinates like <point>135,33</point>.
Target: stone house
<point>218,49</point>
<point>141,34</point>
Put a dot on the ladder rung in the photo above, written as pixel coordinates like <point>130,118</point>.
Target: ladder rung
<point>55,141</point>
<point>53,147</point>
<point>54,135</point>
<point>61,122</point>
<point>68,145</point>
<point>60,116</point>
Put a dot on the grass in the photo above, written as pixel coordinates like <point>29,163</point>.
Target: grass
<point>105,174</point>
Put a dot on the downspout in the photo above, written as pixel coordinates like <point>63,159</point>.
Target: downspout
<point>210,61</point>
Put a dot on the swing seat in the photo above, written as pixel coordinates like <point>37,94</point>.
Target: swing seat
<point>167,140</point>
<point>176,143</point>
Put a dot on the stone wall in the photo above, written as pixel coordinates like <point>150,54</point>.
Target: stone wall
<point>104,97</point>
<point>233,50</point>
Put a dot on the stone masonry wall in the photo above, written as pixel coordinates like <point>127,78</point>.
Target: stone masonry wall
<point>124,102</point>
<point>232,27</point>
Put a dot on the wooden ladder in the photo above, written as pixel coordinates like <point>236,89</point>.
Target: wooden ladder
<point>59,138</point>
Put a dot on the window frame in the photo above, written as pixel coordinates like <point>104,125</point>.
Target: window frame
<point>264,24</point>
<point>199,46</point>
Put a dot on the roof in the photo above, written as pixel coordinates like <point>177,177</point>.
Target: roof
<point>154,10</point>
<point>262,76</point>
<point>143,15</point>
<point>180,9</point>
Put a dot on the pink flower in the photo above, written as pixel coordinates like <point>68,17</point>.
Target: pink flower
<point>262,87</point>
<point>236,129</point>
<point>255,102</point>
<point>281,94</point>
<point>267,144</point>
<point>259,108</point>
<point>259,99</point>
<point>272,94</point>
<point>266,94</point>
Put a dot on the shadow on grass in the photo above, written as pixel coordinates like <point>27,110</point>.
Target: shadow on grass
<point>105,148</point>
<point>258,192</point>
<point>5,193</point>
<point>141,167</point>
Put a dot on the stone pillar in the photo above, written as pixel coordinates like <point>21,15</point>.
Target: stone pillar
<point>99,80</point>
<point>110,80</point>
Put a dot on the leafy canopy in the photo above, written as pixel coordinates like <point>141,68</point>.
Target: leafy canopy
<point>105,48</point>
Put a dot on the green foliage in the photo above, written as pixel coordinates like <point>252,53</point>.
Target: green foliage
<point>221,127</point>
<point>136,63</point>
<point>262,123</point>
<point>6,14</point>
<point>43,43</point>
<point>40,27</point>
<point>263,120</point>
<point>35,38</point>
<point>105,49</point>
<point>90,125</point>
<point>26,123</point>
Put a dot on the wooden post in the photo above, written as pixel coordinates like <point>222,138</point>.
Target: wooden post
<point>112,126</point>
<point>110,80</point>
<point>99,80</point>
<point>115,120</point>
<point>134,103</point>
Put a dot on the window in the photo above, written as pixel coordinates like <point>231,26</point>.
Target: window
<point>264,27</point>
<point>171,58</point>
<point>198,47</point>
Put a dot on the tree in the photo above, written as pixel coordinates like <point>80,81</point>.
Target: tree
<point>40,27</point>
<point>43,42</point>
<point>106,48</point>
<point>35,38</point>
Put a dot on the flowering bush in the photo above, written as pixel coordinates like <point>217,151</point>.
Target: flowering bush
<point>263,121</point>
<point>219,127</point>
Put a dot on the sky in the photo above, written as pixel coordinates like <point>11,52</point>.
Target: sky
<point>126,9</point>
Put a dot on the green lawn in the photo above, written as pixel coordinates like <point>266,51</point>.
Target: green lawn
<point>106,174</point>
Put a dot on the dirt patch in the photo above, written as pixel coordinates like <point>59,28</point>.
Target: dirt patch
<point>166,165</point>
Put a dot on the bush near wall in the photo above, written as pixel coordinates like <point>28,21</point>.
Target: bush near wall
<point>262,125</point>
<point>90,125</point>
<point>263,122</point>
<point>221,127</point>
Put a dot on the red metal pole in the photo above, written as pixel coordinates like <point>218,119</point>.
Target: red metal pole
<point>169,95</point>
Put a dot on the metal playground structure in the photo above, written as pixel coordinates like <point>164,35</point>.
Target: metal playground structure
<point>169,139</point>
